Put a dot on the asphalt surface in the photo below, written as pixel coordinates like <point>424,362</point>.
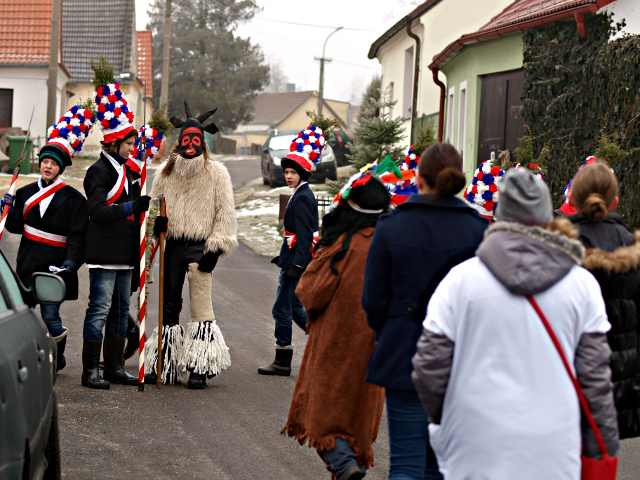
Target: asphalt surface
<point>230,430</point>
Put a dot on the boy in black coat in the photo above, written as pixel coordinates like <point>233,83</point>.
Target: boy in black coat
<point>301,234</point>
<point>52,218</point>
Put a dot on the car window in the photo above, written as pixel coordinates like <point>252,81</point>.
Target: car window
<point>10,283</point>
<point>281,143</point>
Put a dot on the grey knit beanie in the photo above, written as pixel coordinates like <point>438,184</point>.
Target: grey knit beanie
<point>524,198</point>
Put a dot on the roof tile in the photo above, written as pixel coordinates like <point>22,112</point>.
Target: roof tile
<point>26,31</point>
<point>273,108</point>
<point>145,60</point>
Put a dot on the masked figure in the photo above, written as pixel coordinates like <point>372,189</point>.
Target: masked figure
<point>201,228</point>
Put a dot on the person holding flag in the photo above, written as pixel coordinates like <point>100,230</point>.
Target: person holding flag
<point>52,218</point>
<point>112,237</point>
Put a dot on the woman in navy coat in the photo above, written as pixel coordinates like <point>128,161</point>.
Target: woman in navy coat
<point>413,248</point>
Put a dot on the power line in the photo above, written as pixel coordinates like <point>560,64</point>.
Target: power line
<point>310,25</point>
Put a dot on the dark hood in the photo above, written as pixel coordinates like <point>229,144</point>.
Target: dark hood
<point>528,260</point>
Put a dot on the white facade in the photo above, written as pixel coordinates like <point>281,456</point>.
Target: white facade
<point>629,10</point>
<point>436,28</point>
<point>29,85</point>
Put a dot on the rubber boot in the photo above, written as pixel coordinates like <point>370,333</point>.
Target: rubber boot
<point>133,338</point>
<point>61,343</point>
<point>90,357</point>
<point>281,365</point>
<point>114,372</point>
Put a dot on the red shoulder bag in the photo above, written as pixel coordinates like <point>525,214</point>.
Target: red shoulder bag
<point>592,468</point>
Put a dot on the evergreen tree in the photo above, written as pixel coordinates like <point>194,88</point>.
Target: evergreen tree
<point>370,99</point>
<point>210,66</point>
<point>377,135</point>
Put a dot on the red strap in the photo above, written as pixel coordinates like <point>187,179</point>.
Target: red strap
<point>583,401</point>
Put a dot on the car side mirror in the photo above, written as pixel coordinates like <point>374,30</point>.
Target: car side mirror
<point>265,150</point>
<point>48,288</point>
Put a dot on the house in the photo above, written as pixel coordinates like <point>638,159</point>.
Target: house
<point>25,37</point>
<point>285,111</point>
<point>406,49</point>
<point>105,27</point>
<point>485,76</point>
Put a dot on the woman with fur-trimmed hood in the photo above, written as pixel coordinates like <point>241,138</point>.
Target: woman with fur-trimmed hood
<point>613,257</point>
<point>201,228</point>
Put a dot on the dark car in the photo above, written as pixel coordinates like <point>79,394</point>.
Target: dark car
<point>29,435</point>
<point>277,146</point>
<point>340,141</point>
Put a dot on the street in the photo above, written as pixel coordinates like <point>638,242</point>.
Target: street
<point>230,430</point>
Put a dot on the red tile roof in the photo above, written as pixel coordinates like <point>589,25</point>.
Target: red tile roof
<point>25,31</point>
<point>521,15</point>
<point>145,60</point>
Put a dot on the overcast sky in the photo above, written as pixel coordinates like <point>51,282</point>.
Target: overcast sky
<point>294,46</point>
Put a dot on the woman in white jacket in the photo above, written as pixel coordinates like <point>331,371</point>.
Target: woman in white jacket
<point>501,403</point>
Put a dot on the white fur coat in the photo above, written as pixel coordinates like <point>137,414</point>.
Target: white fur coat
<point>199,199</point>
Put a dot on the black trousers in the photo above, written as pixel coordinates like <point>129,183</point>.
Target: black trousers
<point>178,254</point>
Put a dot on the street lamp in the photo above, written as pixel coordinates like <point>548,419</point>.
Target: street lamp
<point>322,60</point>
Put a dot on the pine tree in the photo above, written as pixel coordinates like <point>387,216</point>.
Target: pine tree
<point>378,136</point>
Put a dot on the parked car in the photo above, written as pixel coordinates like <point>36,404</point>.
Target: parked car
<point>29,435</point>
<point>340,142</point>
<point>277,146</point>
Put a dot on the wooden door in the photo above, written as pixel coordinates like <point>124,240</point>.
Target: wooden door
<point>501,121</point>
<point>6,107</point>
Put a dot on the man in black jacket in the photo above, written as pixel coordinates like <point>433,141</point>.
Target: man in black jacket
<point>301,233</point>
<point>52,218</point>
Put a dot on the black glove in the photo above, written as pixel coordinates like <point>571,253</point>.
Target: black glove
<point>275,260</point>
<point>208,262</point>
<point>141,204</point>
<point>293,274</point>
<point>160,226</point>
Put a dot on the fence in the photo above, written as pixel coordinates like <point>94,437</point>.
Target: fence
<point>324,205</point>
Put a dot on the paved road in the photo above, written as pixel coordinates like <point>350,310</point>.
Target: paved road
<point>230,430</point>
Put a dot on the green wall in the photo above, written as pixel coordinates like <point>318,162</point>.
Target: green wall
<point>493,56</point>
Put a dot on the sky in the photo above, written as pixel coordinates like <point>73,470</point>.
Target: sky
<point>292,32</point>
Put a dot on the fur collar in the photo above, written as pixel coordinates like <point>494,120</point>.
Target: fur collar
<point>621,260</point>
<point>559,234</point>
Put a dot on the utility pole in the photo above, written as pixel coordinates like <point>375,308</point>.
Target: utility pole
<point>52,83</point>
<point>322,61</point>
<point>166,56</point>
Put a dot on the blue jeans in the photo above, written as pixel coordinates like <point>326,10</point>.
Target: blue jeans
<point>340,458</point>
<point>411,455</point>
<point>51,316</point>
<point>287,308</point>
<point>109,292</point>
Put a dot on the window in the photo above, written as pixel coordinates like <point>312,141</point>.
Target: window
<point>10,283</point>
<point>450,137</point>
<point>6,107</point>
<point>462,116</point>
<point>407,93</point>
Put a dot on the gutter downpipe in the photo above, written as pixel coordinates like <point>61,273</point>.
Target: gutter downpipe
<point>443,95</point>
<point>416,75</point>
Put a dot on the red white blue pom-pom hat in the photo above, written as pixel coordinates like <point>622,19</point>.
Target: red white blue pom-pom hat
<point>66,137</point>
<point>567,208</point>
<point>482,194</point>
<point>148,140</point>
<point>114,117</point>
<point>305,151</point>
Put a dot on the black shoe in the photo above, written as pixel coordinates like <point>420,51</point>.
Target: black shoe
<point>133,339</point>
<point>197,381</point>
<point>61,362</point>
<point>90,357</point>
<point>281,366</point>
<point>114,372</point>
<point>354,472</point>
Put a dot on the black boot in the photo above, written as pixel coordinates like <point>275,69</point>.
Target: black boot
<point>113,361</point>
<point>90,357</point>
<point>61,343</point>
<point>281,365</point>
<point>133,338</point>
<point>197,381</point>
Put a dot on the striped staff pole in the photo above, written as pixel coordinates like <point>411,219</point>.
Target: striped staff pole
<point>142,299</point>
<point>14,179</point>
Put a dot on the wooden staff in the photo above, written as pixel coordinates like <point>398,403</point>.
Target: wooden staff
<point>163,212</point>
